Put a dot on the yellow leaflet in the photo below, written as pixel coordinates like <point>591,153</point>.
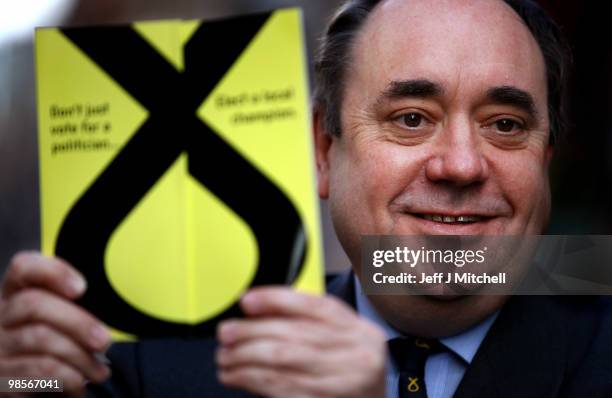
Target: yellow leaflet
<point>182,254</point>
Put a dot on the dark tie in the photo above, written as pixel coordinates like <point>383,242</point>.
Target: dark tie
<point>409,355</point>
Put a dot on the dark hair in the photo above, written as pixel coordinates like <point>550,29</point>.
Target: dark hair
<point>335,52</point>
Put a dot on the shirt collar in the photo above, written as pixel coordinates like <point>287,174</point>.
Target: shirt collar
<point>464,344</point>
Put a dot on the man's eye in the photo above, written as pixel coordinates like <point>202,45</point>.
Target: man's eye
<point>411,120</point>
<point>508,125</point>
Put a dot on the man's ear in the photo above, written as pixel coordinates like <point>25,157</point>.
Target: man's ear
<point>322,142</point>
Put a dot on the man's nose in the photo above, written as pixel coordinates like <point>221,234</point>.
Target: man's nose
<point>457,158</point>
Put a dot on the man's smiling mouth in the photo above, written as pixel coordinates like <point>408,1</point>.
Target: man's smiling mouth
<point>448,219</point>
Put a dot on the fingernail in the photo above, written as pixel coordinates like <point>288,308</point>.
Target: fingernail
<point>250,300</point>
<point>104,372</point>
<point>220,355</point>
<point>102,358</point>
<point>107,371</point>
<point>99,336</point>
<point>227,332</point>
<point>77,285</point>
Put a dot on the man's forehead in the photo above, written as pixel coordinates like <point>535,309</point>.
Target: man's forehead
<point>445,12</point>
<point>444,39</point>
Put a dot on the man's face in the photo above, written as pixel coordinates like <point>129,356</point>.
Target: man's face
<point>444,126</point>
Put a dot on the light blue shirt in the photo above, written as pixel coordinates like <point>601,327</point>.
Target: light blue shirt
<point>443,371</point>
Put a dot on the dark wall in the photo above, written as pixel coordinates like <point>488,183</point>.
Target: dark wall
<point>582,172</point>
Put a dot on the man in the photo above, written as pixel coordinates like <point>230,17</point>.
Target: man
<point>424,108</point>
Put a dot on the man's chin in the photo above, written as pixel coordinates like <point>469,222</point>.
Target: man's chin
<point>449,292</point>
<point>445,297</point>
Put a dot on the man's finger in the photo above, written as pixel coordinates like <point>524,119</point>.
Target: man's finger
<point>42,340</point>
<point>269,353</point>
<point>299,331</point>
<point>285,301</point>
<point>30,269</point>
<point>39,306</point>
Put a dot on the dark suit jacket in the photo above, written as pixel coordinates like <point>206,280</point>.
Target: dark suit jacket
<point>539,346</point>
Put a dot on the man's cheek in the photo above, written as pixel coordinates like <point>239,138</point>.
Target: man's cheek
<point>530,192</point>
<point>541,211</point>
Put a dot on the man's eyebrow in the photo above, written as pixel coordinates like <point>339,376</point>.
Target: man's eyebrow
<point>509,95</point>
<point>420,88</point>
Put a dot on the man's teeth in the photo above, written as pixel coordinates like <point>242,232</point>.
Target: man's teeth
<point>451,219</point>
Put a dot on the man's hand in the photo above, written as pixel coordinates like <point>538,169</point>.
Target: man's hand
<point>44,334</point>
<point>298,345</point>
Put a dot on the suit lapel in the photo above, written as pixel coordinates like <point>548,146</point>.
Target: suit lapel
<point>524,353</point>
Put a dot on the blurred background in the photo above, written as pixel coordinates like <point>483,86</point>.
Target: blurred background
<point>582,171</point>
